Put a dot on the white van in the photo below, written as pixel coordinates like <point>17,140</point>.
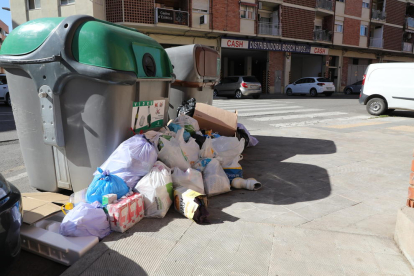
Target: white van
<point>388,86</point>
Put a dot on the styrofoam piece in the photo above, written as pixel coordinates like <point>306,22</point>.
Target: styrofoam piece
<point>43,239</point>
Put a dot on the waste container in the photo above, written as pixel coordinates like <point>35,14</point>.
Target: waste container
<point>76,84</point>
<point>197,70</point>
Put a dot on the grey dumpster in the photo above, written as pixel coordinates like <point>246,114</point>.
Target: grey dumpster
<point>76,86</point>
<point>197,69</point>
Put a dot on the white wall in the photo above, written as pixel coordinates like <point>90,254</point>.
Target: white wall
<point>247,26</point>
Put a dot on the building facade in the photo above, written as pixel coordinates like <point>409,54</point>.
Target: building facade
<point>4,30</point>
<point>278,41</point>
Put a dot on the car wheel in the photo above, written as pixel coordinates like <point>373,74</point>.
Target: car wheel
<point>238,94</point>
<point>215,94</point>
<point>348,91</point>
<point>289,92</point>
<point>376,106</point>
<point>256,96</point>
<point>328,94</point>
<point>313,92</point>
<point>8,100</point>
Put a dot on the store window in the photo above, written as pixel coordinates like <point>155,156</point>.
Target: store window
<point>364,30</point>
<point>365,4</point>
<point>340,1</point>
<point>339,27</point>
<point>247,12</point>
<point>33,4</point>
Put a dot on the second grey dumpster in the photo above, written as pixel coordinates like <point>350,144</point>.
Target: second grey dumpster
<point>74,84</point>
<point>197,69</point>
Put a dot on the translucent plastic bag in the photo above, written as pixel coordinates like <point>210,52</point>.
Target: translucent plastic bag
<point>188,123</point>
<point>228,148</point>
<point>201,164</point>
<point>172,155</point>
<point>190,148</point>
<point>105,183</point>
<point>85,220</point>
<point>132,160</point>
<point>215,180</point>
<point>207,150</point>
<point>157,190</point>
<point>190,179</point>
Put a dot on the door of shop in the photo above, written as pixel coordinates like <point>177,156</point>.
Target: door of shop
<point>278,81</point>
<point>355,73</point>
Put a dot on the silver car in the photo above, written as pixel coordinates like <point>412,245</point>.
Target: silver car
<point>238,86</point>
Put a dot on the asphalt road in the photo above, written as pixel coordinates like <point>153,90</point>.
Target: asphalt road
<point>270,113</point>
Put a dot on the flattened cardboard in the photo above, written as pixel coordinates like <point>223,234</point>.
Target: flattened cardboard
<point>219,120</point>
<point>37,206</point>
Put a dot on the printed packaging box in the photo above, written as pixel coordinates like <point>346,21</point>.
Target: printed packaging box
<point>126,212</point>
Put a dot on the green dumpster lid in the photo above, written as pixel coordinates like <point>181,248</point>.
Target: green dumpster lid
<point>97,43</point>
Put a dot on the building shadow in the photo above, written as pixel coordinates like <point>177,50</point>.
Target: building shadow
<point>6,118</point>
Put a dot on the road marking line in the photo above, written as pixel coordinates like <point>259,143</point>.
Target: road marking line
<point>249,106</point>
<point>266,108</point>
<point>227,103</point>
<point>277,112</point>
<point>356,125</point>
<point>314,122</point>
<point>17,177</point>
<point>403,128</point>
<point>289,117</point>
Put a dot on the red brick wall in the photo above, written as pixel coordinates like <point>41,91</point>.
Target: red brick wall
<point>226,15</point>
<point>393,38</point>
<point>306,3</point>
<point>276,63</point>
<point>344,75</point>
<point>395,12</point>
<point>297,23</point>
<point>353,7</point>
<point>351,31</point>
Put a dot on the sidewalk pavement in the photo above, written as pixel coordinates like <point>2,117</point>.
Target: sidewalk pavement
<point>327,207</point>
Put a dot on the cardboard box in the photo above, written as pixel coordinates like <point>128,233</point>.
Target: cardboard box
<point>219,120</point>
<point>126,212</point>
<point>37,206</point>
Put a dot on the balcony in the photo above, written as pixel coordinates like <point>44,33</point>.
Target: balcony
<point>324,7</point>
<point>323,35</point>
<point>376,42</point>
<point>171,16</point>
<point>407,47</point>
<point>268,28</point>
<point>409,21</point>
<point>378,15</point>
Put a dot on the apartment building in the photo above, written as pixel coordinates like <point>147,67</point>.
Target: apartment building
<point>278,41</point>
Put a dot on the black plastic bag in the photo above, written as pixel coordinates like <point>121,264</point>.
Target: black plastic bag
<point>240,133</point>
<point>187,107</point>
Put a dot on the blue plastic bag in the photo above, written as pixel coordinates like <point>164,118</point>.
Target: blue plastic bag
<point>85,220</point>
<point>104,183</point>
<point>176,128</point>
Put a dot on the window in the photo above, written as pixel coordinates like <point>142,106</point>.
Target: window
<point>66,2</point>
<point>300,81</point>
<point>247,12</point>
<point>364,30</point>
<point>339,27</point>
<point>200,6</point>
<point>250,79</point>
<point>340,1</point>
<point>365,4</point>
<point>323,80</point>
<point>33,4</point>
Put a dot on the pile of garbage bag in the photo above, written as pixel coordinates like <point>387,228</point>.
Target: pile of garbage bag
<point>180,165</point>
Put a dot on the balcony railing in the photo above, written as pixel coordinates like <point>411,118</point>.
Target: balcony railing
<point>410,22</point>
<point>407,47</point>
<point>323,35</point>
<point>378,15</point>
<point>325,4</point>
<point>376,42</point>
<point>268,28</point>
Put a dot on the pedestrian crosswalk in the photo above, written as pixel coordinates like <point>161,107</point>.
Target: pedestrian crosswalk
<point>282,114</point>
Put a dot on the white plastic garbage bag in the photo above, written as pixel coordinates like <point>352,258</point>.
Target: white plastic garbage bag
<point>190,179</point>
<point>207,150</point>
<point>188,123</point>
<point>228,148</point>
<point>85,220</point>
<point>252,140</point>
<point>132,160</point>
<point>190,148</point>
<point>157,189</point>
<point>215,179</point>
<point>154,136</point>
<point>172,155</point>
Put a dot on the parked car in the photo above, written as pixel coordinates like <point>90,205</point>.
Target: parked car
<point>238,86</point>
<point>386,87</point>
<point>353,88</point>
<point>11,214</point>
<point>4,90</point>
<point>312,86</point>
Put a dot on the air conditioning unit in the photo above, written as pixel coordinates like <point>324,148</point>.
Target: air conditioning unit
<point>203,19</point>
<point>260,5</point>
